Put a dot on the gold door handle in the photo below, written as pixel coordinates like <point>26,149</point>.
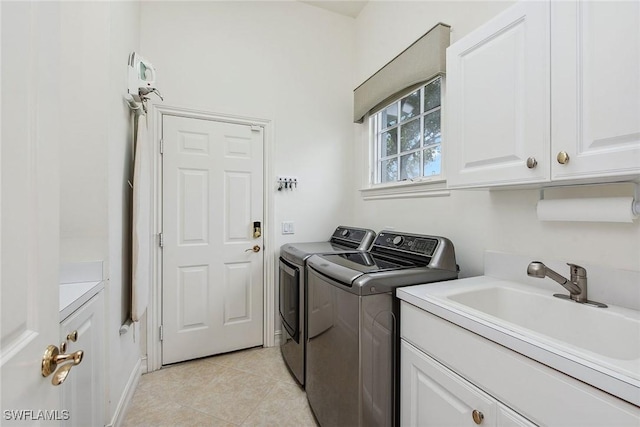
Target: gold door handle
<point>255,248</point>
<point>52,358</point>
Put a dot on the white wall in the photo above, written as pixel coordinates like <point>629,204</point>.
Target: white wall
<point>96,162</point>
<point>474,220</point>
<point>283,61</point>
<point>83,145</point>
<point>124,37</point>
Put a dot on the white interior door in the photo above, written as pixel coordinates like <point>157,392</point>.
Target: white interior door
<point>29,199</point>
<point>212,285</point>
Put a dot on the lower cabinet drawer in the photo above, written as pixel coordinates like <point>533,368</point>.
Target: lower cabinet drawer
<point>433,395</point>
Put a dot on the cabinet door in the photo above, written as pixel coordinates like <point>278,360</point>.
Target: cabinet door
<point>432,395</point>
<point>498,100</point>
<point>595,88</point>
<point>508,418</point>
<point>83,391</point>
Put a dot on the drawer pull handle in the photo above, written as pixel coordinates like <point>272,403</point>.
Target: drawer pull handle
<point>477,416</point>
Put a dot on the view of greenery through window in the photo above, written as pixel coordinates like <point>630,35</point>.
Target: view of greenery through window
<point>407,136</point>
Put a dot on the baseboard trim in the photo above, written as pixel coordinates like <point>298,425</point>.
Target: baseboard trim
<point>277,338</point>
<point>127,396</point>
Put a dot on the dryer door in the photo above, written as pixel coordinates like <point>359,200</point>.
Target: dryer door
<point>289,298</point>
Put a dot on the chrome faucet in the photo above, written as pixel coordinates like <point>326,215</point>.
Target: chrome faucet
<point>576,285</point>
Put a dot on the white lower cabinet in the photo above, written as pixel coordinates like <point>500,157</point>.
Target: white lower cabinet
<point>448,372</point>
<point>82,392</point>
<point>434,395</point>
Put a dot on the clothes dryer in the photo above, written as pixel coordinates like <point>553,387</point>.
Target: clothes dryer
<point>292,288</point>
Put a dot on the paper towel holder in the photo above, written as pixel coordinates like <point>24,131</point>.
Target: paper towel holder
<point>590,209</point>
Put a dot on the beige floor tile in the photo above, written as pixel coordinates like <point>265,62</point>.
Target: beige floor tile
<point>250,388</point>
<point>285,405</point>
<point>232,396</point>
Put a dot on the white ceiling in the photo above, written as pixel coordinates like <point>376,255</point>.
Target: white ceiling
<point>343,7</point>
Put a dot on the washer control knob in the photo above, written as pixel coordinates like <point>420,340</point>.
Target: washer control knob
<point>345,233</point>
<point>398,240</point>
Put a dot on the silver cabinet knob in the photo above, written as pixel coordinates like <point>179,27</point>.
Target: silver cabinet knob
<point>563,157</point>
<point>532,162</point>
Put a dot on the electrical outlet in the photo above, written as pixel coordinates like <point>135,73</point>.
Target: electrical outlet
<point>287,227</point>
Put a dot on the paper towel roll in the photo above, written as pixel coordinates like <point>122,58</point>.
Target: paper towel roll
<point>600,209</point>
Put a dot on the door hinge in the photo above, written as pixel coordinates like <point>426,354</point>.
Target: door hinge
<point>160,331</point>
<point>161,240</point>
<point>161,146</point>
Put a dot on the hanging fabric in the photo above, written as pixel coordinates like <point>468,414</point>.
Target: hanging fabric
<point>141,227</point>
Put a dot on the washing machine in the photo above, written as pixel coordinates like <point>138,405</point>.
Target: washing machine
<point>353,325</point>
<point>292,288</point>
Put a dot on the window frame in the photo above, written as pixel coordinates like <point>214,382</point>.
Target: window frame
<point>424,186</point>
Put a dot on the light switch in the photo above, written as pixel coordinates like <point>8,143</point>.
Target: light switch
<point>287,227</point>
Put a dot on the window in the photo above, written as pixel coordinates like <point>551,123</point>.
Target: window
<point>407,137</point>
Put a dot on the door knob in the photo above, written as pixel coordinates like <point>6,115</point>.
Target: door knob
<point>52,358</point>
<point>532,162</point>
<point>256,248</point>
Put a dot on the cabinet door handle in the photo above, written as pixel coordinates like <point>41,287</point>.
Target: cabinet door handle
<point>532,162</point>
<point>563,157</point>
<point>477,416</point>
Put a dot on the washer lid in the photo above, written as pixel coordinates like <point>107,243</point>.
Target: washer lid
<point>366,262</point>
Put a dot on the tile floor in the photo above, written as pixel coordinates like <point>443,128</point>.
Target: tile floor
<point>245,388</point>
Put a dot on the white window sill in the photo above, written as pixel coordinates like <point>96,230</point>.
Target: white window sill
<point>406,190</point>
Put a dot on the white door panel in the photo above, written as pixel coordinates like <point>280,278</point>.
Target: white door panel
<point>596,88</point>
<point>498,100</point>
<point>29,211</point>
<point>212,280</point>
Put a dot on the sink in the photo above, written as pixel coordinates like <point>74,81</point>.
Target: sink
<point>602,331</point>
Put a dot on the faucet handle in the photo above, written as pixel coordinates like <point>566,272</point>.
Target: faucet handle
<point>577,271</point>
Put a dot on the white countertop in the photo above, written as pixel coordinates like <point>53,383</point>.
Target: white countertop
<point>73,295</point>
<point>624,383</point>
<point>79,282</point>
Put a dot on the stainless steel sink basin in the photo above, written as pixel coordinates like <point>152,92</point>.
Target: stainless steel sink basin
<point>602,331</point>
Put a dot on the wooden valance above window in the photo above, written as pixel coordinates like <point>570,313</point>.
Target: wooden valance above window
<point>420,62</point>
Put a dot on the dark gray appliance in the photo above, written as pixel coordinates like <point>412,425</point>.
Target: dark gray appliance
<point>292,288</point>
<point>353,330</point>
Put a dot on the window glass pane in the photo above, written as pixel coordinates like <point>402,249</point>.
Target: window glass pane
<point>389,170</point>
<point>410,106</point>
<point>389,141</point>
<point>432,160</point>
<point>432,133</point>
<point>410,166</point>
<point>410,135</point>
<point>432,95</point>
<point>390,115</point>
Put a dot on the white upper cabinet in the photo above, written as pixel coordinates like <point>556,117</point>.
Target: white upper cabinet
<point>498,95</point>
<point>541,79</point>
<point>595,88</point>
